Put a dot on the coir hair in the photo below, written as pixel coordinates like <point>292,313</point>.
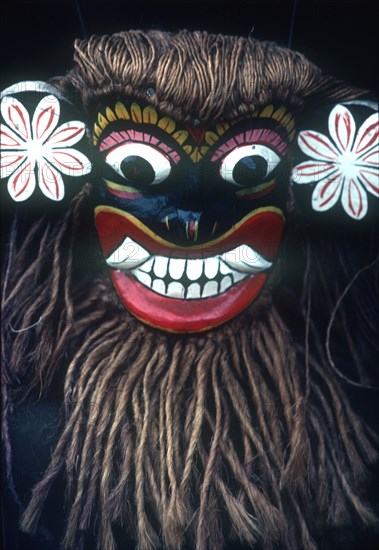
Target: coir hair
<point>182,441</point>
<point>196,75</point>
<point>242,433</point>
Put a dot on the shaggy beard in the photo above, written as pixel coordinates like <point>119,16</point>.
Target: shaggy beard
<point>184,440</point>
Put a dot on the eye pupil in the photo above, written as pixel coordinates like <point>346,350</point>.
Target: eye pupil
<point>137,170</point>
<point>250,170</point>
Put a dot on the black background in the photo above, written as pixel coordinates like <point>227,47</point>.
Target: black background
<point>338,35</point>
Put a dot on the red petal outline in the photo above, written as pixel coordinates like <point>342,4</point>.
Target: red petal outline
<point>50,180</point>
<point>78,165</point>
<point>25,131</point>
<point>359,147</point>
<point>66,133</point>
<point>326,186</point>
<point>29,170</point>
<point>12,136</point>
<point>352,183</point>
<point>366,158</point>
<point>50,111</point>
<point>4,163</point>
<point>368,183</point>
<point>305,134</point>
<point>343,120</point>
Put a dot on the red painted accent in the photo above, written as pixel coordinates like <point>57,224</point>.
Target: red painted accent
<point>52,112</point>
<point>72,134</point>
<point>122,138</point>
<point>197,134</point>
<point>13,142</point>
<point>258,194</point>
<point>359,147</point>
<point>11,154</point>
<point>257,136</point>
<point>56,153</point>
<point>177,315</point>
<point>27,169</point>
<point>134,115</point>
<point>317,138</point>
<point>21,115</point>
<point>123,194</point>
<point>47,181</point>
<point>326,186</point>
<point>368,182</point>
<point>326,167</point>
<point>351,205</point>
<point>337,125</point>
<point>191,229</point>
<point>262,231</point>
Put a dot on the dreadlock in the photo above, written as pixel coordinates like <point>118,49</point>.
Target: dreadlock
<point>242,433</point>
<point>196,74</point>
<point>171,429</point>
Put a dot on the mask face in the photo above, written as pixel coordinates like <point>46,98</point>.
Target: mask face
<point>189,217</point>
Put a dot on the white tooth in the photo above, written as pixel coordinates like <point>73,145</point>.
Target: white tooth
<point>193,291</point>
<point>142,277</point>
<point>175,290</point>
<point>211,267</point>
<point>224,269</point>
<point>176,267</point>
<point>159,286</point>
<point>128,255</point>
<point>147,265</point>
<point>237,276</point>
<point>194,269</point>
<point>225,283</point>
<point>160,266</point>
<point>210,289</point>
<point>246,259</point>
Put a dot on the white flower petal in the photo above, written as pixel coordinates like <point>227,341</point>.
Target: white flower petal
<point>50,182</point>
<point>68,134</point>
<point>69,161</point>
<point>22,182</point>
<point>342,127</point>
<point>354,199</point>
<point>9,139</point>
<point>371,158</point>
<point>45,118</point>
<point>368,135</point>
<point>16,116</point>
<point>312,172</point>
<point>327,192</point>
<point>317,146</point>
<point>10,161</point>
<point>370,179</point>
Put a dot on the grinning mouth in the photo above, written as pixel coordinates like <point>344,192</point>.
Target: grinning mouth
<point>194,288</point>
<point>187,279</point>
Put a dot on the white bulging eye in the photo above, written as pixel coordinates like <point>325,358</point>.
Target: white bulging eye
<point>248,165</point>
<point>139,163</point>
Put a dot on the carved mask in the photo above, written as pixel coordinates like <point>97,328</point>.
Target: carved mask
<point>190,216</point>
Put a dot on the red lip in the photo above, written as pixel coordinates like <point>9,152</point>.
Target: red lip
<point>176,315</point>
<point>262,230</point>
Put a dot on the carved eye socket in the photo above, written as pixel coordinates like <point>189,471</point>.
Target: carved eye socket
<point>248,165</point>
<point>139,163</point>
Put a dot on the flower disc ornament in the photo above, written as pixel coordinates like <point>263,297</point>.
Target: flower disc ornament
<point>38,151</point>
<point>344,164</point>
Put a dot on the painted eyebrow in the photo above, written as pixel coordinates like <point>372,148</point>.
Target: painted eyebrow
<point>261,136</point>
<point>126,136</point>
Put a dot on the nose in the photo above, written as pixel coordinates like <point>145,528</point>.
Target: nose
<point>196,203</point>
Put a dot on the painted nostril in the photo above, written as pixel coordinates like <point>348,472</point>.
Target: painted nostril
<point>192,230</point>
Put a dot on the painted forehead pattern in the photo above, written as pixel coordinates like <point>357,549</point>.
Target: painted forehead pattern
<point>195,141</point>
